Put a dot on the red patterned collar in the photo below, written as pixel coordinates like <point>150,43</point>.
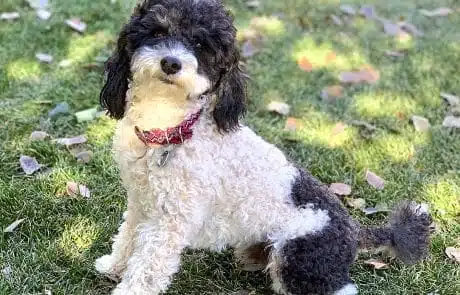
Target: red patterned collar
<point>172,135</point>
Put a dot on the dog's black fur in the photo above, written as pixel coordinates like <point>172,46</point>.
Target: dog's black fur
<point>204,28</point>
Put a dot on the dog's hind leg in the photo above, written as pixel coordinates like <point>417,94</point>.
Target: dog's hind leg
<point>313,264</point>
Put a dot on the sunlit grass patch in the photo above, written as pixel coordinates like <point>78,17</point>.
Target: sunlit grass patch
<point>386,104</point>
<point>82,48</point>
<point>444,196</point>
<point>78,236</point>
<point>23,69</point>
<point>100,131</point>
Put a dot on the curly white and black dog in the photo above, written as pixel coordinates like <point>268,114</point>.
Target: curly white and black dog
<point>197,178</point>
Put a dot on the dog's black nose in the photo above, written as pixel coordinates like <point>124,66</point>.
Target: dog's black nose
<point>170,65</point>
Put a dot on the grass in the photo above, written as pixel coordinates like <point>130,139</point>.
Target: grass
<point>54,249</point>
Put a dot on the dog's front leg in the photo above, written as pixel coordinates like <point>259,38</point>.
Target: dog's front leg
<point>115,263</point>
<point>155,257</point>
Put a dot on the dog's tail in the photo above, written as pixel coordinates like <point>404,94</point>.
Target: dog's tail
<point>407,234</point>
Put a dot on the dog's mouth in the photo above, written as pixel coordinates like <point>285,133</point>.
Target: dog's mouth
<point>166,80</point>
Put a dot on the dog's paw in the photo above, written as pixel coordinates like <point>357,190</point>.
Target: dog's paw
<point>107,265</point>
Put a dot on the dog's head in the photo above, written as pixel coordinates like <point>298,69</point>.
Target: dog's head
<point>182,43</point>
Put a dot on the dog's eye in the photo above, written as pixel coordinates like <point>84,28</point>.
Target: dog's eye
<point>158,34</point>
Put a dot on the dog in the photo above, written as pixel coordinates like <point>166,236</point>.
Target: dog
<point>197,178</point>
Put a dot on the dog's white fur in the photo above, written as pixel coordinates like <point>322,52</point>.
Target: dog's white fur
<point>217,190</point>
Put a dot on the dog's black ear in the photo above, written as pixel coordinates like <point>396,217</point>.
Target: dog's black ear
<point>118,73</point>
<point>231,97</point>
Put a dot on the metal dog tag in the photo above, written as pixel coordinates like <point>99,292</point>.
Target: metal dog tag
<point>163,159</point>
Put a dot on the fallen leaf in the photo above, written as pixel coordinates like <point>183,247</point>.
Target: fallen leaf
<point>336,20</point>
<point>9,15</point>
<point>76,24</point>
<point>369,210</point>
<point>304,64</point>
<point>332,92</point>
<point>10,228</point>
<point>348,9</point>
<point>382,207</point>
<point>38,4</point>
<point>451,99</point>
<point>291,124</point>
<point>249,49</point>
<point>38,135</point>
<point>453,253</point>
<point>378,208</point>
<point>242,292</point>
<point>72,140</point>
<point>331,56</point>
<point>401,116</point>
<point>29,164</point>
<point>101,114</point>
<point>365,75</point>
<point>356,203</point>
<point>392,29</point>
<point>368,11</point>
<point>43,57</point>
<point>411,29</point>
<point>84,156</point>
<point>442,11</point>
<point>394,53</point>
<point>421,124</point>
<point>74,189</point>
<point>279,107</point>
<point>377,264</point>
<point>374,180</point>
<point>451,122</point>
<point>253,4</point>
<point>340,189</point>
<point>86,115</point>
<point>43,14</point>
<point>7,272</point>
<point>61,108</point>
<point>338,128</point>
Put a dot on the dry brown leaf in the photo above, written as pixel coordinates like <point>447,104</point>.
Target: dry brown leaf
<point>43,57</point>
<point>10,228</point>
<point>336,20</point>
<point>368,11</point>
<point>374,180</point>
<point>9,15</point>
<point>253,4</point>
<point>305,64</point>
<point>442,11</point>
<point>365,75</point>
<point>356,203</point>
<point>84,156</point>
<point>291,124</point>
<point>391,29</point>
<point>348,9</point>
<point>451,122</point>
<point>332,92</point>
<point>279,107</point>
<point>394,53</point>
<point>377,264</point>
<point>76,24</point>
<point>421,124</point>
<point>338,128</point>
<point>330,57</point>
<point>75,189</point>
<point>38,135</point>
<point>249,49</point>
<point>72,140</point>
<point>29,164</point>
<point>340,189</point>
<point>453,253</point>
<point>451,99</point>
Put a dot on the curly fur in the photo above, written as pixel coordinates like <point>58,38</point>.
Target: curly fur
<point>226,186</point>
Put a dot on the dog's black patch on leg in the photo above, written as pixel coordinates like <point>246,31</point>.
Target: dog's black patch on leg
<point>318,263</point>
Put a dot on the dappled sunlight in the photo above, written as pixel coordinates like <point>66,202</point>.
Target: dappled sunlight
<point>444,196</point>
<point>372,105</point>
<point>78,236</point>
<point>322,132</point>
<point>324,56</point>
<point>269,25</point>
<point>81,48</point>
<point>23,69</point>
<point>101,131</point>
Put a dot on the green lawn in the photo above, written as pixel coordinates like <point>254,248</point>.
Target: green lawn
<point>55,247</point>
